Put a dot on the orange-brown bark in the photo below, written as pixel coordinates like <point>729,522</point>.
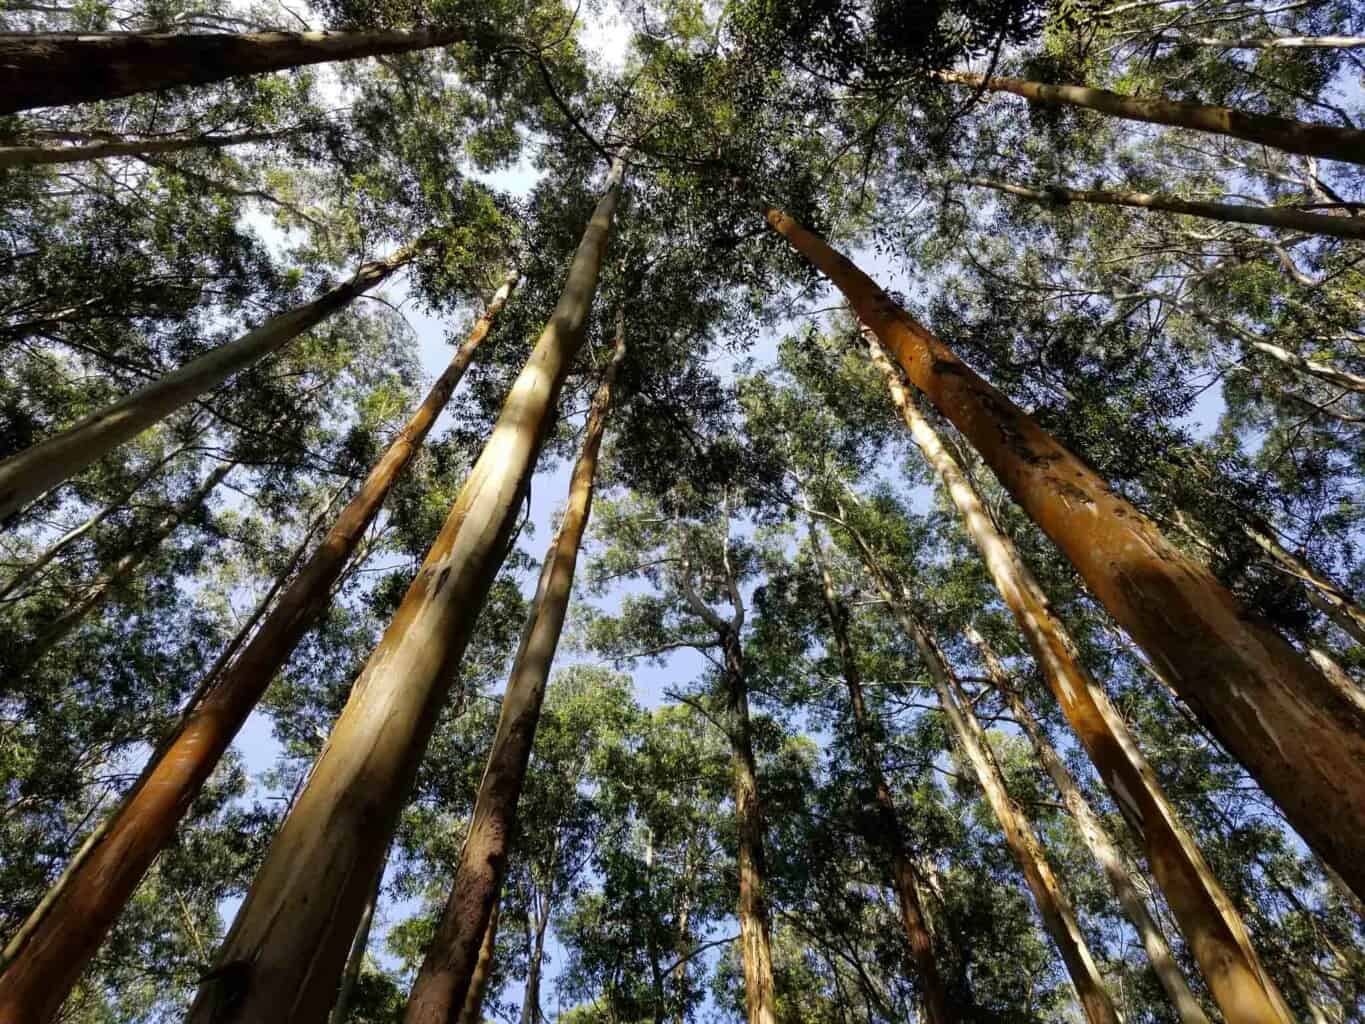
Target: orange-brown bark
<point>1215,931</point>
<point>43,970</point>
<point>445,979</point>
<point>938,1007</point>
<point>472,1012</point>
<point>1296,732</point>
<point>1306,137</point>
<point>51,69</point>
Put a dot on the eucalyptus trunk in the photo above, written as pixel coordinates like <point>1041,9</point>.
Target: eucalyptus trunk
<point>1335,601</point>
<point>341,1009</point>
<point>42,972</point>
<point>887,835</point>
<point>288,944</point>
<point>1298,735</point>
<point>26,156</point>
<point>1308,138</point>
<point>55,69</point>
<point>472,1011</point>
<point>1053,905</point>
<point>95,593</point>
<point>1215,932</point>
<point>444,981</point>
<point>1105,851</point>
<point>33,471</point>
<point>1282,217</point>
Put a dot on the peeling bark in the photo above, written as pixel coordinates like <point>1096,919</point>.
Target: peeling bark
<point>33,987</point>
<point>33,471</point>
<point>444,980</point>
<point>53,69</point>
<point>1297,734</point>
<point>1215,932</point>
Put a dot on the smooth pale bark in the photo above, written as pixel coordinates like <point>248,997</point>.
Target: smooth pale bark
<point>1297,734</point>
<point>1306,137</point>
<point>530,997</point>
<point>472,1011</point>
<point>1269,42</point>
<point>1235,213</point>
<point>29,572</point>
<point>53,69</point>
<point>1098,841</point>
<point>937,1005</point>
<point>341,1009</point>
<point>34,986</point>
<point>444,981</point>
<point>286,948</point>
<point>1335,601</point>
<point>22,156</point>
<point>1215,932</point>
<point>1053,905</point>
<point>33,471</point>
<point>99,590</point>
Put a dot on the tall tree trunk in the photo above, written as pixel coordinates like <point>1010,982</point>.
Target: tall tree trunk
<point>1058,916</point>
<point>355,960</point>
<point>1210,923</point>
<point>887,835</point>
<point>472,1011</point>
<point>1269,216</point>
<point>684,954</point>
<point>530,1000</point>
<point>1306,137</point>
<point>287,946</point>
<point>97,591</point>
<point>24,156</point>
<point>29,572</point>
<point>33,987</point>
<point>443,983</point>
<point>31,472</point>
<point>1097,840</point>
<point>54,69</point>
<point>760,993</point>
<point>1267,42</point>
<point>1296,733</point>
<point>1335,601</point>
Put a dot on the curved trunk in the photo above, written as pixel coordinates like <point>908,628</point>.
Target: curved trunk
<point>33,986</point>
<point>443,984</point>
<point>1305,137</point>
<point>1210,923</point>
<point>1101,846</point>
<point>95,593</point>
<point>31,472</point>
<point>1298,735</point>
<point>287,946</point>
<point>1267,216</point>
<point>22,156</point>
<point>53,69</point>
<point>472,1012</point>
<point>1058,916</point>
<point>760,994</point>
<point>938,1008</point>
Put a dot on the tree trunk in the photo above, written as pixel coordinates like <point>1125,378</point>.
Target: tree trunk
<point>1268,42</point>
<point>28,572</point>
<point>443,983</point>
<point>1268,216</point>
<point>22,156</point>
<point>530,1000</point>
<point>1306,137</point>
<point>95,593</point>
<point>287,946</point>
<point>887,836</point>
<point>1053,905</point>
<point>1101,846</point>
<point>54,69</point>
<point>755,943</point>
<point>355,960</point>
<point>472,1012</point>
<point>1335,601</point>
<point>1296,733</point>
<point>1210,923</point>
<point>31,472</point>
<point>33,987</point>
